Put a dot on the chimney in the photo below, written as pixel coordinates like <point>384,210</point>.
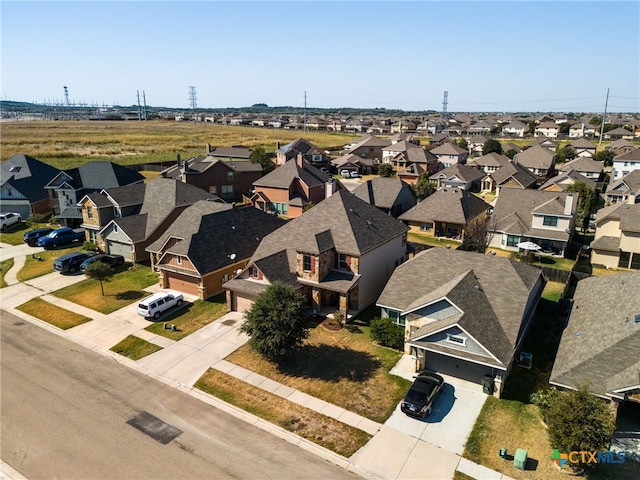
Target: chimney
<point>633,199</point>
<point>568,203</point>
<point>299,160</point>
<point>208,148</point>
<point>329,188</point>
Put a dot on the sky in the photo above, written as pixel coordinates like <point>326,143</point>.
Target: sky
<point>503,56</point>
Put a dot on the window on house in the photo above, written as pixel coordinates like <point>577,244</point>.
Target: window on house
<point>230,176</point>
<point>179,260</point>
<point>397,318</point>
<point>89,212</point>
<point>342,262</point>
<point>550,221</point>
<point>306,262</point>
<point>457,339</point>
<point>426,227</point>
<point>512,240</point>
<point>115,228</point>
<point>253,272</point>
<point>227,191</point>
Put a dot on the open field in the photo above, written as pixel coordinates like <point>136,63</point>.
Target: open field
<point>67,144</point>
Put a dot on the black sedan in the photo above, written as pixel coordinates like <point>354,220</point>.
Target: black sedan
<point>111,260</point>
<point>419,399</point>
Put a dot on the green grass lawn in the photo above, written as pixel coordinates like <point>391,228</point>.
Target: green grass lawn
<point>38,264</point>
<point>190,317</point>
<point>15,235</point>
<point>126,287</point>
<point>5,266</point>
<point>435,242</point>
<point>135,348</point>
<point>53,314</point>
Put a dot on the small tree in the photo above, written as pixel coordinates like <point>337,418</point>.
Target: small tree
<point>385,170</point>
<point>565,154</point>
<point>491,145</point>
<point>387,333</point>
<point>511,153</point>
<point>586,200</point>
<point>100,271</point>
<point>424,187</point>
<point>275,322</point>
<point>462,143</point>
<point>604,156</point>
<point>259,155</point>
<point>579,421</point>
<point>478,234</point>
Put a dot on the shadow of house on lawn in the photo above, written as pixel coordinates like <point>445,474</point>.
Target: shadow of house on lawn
<point>329,363</point>
<point>130,295</point>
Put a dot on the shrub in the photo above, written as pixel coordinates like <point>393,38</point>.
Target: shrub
<point>90,246</point>
<point>543,400</point>
<point>387,333</point>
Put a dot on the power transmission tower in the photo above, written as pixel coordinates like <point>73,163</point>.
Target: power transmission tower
<point>139,109</point>
<point>144,106</point>
<point>193,100</point>
<point>66,95</point>
<point>444,105</point>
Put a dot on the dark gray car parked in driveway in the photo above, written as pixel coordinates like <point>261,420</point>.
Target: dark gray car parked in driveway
<point>419,399</point>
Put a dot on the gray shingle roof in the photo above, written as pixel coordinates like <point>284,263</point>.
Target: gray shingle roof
<point>516,172</point>
<point>342,221</point>
<point>28,176</point>
<point>234,152</point>
<point>601,343</point>
<point>535,157</point>
<point>630,155</point>
<point>210,232</point>
<point>99,175</point>
<point>127,195</point>
<point>569,177</point>
<point>628,215</point>
<point>383,192</point>
<point>491,313</point>
<point>630,183</point>
<point>465,173</point>
<point>286,173</point>
<point>492,159</point>
<point>451,205</point>
<point>448,149</point>
<point>582,164</point>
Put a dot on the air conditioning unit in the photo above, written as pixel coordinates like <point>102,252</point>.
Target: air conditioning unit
<point>525,360</point>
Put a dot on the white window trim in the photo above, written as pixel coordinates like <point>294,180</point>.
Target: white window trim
<point>457,340</point>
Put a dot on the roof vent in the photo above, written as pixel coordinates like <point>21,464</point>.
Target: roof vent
<point>15,168</point>
<point>636,319</point>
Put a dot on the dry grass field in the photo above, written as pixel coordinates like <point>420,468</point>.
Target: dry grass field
<point>67,144</point>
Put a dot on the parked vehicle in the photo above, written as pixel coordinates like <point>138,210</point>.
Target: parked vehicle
<point>111,260</point>
<point>418,401</point>
<point>345,173</point>
<point>154,305</point>
<point>61,236</point>
<point>70,262</point>
<point>9,219</point>
<point>31,237</point>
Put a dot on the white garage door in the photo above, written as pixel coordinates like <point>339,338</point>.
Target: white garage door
<point>118,248</point>
<point>241,302</point>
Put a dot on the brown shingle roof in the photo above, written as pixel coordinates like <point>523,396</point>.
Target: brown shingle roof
<point>451,205</point>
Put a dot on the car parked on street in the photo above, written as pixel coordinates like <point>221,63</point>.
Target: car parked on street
<point>9,219</point>
<point>71,262</point>
<point>31,237</point>
<point>154,305</point>
<point>111,260</point>
<point>418,401</point>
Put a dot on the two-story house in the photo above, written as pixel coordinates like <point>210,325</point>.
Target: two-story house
<point>164,199</point>
<point>22,185</point>
<point>547,129</point>
<point>585,166</point>
<point>368,146</point>
<point>339,255</point>
<point>446,213</point>
<point>292,186</point>
<point>458,176</point>
<point>450,154</point>
<point>391,195</point>
<point>207,244</point>
<point>69,186</point>
<point>625,163</point>
<point>312,154</point>
<point>617,239</point>
<point>227,179</point>
<point>584,148</point>
<point>464,314</point>
<point>545,218</point>
<point>538,160</point>
<point>501,172</point>
<point>514,128</point>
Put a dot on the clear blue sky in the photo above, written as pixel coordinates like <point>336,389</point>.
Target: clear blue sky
<point>489,56</point>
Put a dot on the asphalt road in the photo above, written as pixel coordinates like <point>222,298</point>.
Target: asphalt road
<point>64,414</point>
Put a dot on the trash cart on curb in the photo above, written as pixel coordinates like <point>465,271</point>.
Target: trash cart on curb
<point>487,384</point>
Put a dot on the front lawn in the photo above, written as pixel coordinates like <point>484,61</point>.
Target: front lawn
<point>124,288</point>
<point>341,367</point>
<point>53,314</point>
<point>135,348</point>
<point>5,266</point>
<point>190,317</point>
<point>38,264</point>
<point>315,427</point>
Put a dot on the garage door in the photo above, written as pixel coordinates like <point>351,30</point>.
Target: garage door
<point>241,302</point>
<point>455,367</point>
<point>118,248</point>
<point>183,283</point>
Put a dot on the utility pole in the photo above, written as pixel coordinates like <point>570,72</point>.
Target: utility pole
<point>144,108</point>
<point>193,100</point>
<point>139,110</point>
<point>604,116</point>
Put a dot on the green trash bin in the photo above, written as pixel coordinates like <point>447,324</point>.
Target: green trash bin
<point>487,384</point>
<point>520,458</point>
